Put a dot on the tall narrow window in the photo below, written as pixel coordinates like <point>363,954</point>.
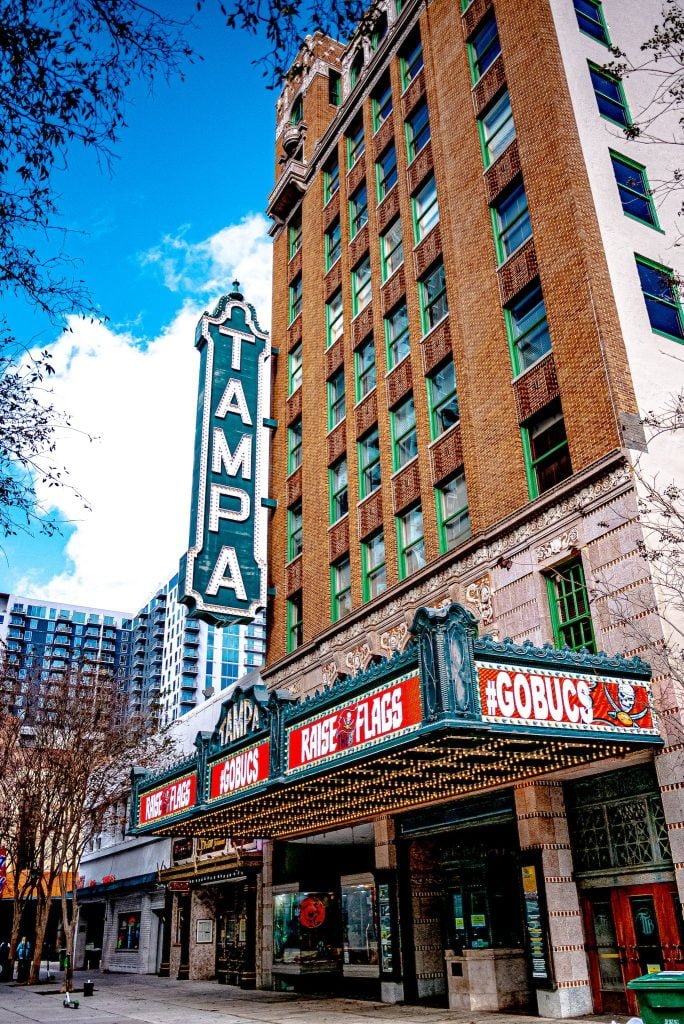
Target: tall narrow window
<point>497,130</point>
<point>294,446</point>
<point>297,111</point>
<point>382,102</point>
<point>442,399</point>
<point>356,144</point>
<point>425,209</point>
<point>391,249</point>
<point>397,335</point>
<point>369,463</point>
<point>336,399</point>
<point>484,47</point>
<point>341,588</point>
<point>511,218</point>
<point>373,567</point>
<point>633,189</point>
<point>331,179</point>
<point>295,234</point>
<point>334,318</point>
<point>591,20</point>
<point>569,606</point>
<point>404,436</point>
<point>410,60</point>
<point>610,96</point>
<point>356,68</point>
<point>295,541</point>
<point>528,331</point>
<point>334,88</point>
<point>662,299</point>
<point>379,31</point>
<point>295,298</point>
<point>333,244</point>
<point>453,519</point>
<point>295,623</point>
<point>295,369</point>
<point>361,286</point>
<point>410,541</point>
<point>364,364</point>
<point>358,210</point>
<point>546,449</point>
<point>417,130</point>
<point>386,169</point>
<point>433,297</point>
<point>339,490</point>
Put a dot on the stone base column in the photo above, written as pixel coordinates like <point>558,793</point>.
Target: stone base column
<point>543,826</point>
<point>384,829</point>
<point>265,921</point>
<point>670,771</point>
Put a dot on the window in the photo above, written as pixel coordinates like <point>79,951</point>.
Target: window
<point>369,463</point>
<point>294,531</point>
<point>358,211</point>
<point>341,588</point>
<point>295,369</point>
<point>336,401</point>
<point>295,298</point>
<point>356,68</point>
<point>295,235</point>
<point>453,520</point>
<point>417,130</point>
<point>545,444</point>
<point>333,244</point>
<point>633,189</point>
<point>391,249</point>
<point>610,97</point>
<point>569,605</point>
<point>433,297</point>
<point>331,179</point>
<point>410,541</point>
<point>339,490</point>
<point>511,219</point>
<point>411,60</point>
<point>379,31</point>
<point>386,169</point>
<point>662,299</point>
<point>382,103</point>
<point>528,331</point>
<point>591,21</point>
<point>361,286</point>
<point>497,130</point>
<point>397,335</point>
<point>334,88</point>
<point>297,111</point>
<point>128,934</point>
<point>294,446</point>
<point>425,209</point>
<point>295,622</point>
<point>404,436</point>
<point>484,47</point>
<point>356,145</point>
<point>442,399</point>
<point>364,365</point>
<point>373,568</point>
<point>334,319</point>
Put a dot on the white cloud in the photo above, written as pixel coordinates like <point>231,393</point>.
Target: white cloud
<point>138,397</point>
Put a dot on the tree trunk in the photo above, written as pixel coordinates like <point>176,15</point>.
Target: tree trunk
<point>17,914</point>
<point>43,901</point>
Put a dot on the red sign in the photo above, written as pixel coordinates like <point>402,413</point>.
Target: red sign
<point>380,715</point>
<point>168,801</point>
<point>179,887</point>
<point>312,912</point>
<point>574,701</point>
<point>239,771</point>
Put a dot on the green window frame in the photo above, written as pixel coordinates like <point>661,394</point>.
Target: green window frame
<point>334,88</point>
<point>337,409</point>
<point>404,433</point>
<point>296,292</point>
<point>340,588</point>
<point>397,336</point>
<point>453,517</point>
<point>379,31</point>
<point>410,541</point>
<point>365,371</point>
<point>546,450</point>
<point>391,249</point>
<point>662,298</point>
<point>355,68</point>
<point>362,291</point>
<point>511,222</point>
<point>442,399</point>
<point>358,210</point>
<point>294,367</point>
<point>635,193</point>
<point>484,47</point>
<point>425,209</point>
<point>294,446</point>
<point>356,143</point>
<point>331,179</point>
<point>295,536</point>
<point>591,20</point>
<point>610,96</point>
<point>527,328</point>
<point>334,318</point>
<point>338,489</point>
<point>497,129</point>
<point>410,60</point>
<point>569,606</point>
<point>294,233</point>
<point>381,103</point>
<point>333,244</point>
<point>417,129</point>
<point>370,475</point>
<point>295,621</point>
<point>386,172</point>
<point>434,306</point>
<point>297,111</point>
<point>373,566</point>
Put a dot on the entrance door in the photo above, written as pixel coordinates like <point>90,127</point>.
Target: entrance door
<point>630,931</point>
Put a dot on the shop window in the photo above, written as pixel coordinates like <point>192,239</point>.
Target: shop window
<point>569,605</point>
<point>433,297</point>
<point>410,541</point>
<point>453,518</point>
<point>545,446</point>
<point>369,463</point>
<point>295,622</point>
<point>365,369</point>
<point>442,399</point>
<point>373,566</point>
<point>339,490</point>
<point>511,220</point>
<point>334,319</point>
<point>128,932</point>
<point>360,946</point>
<point>425,209</point>
<point>497,130</point>
<point>404,435</point>
<point>382,102</point>
<point>527,328</point>
<point>340,585</point>
<point>417,130</point>
<point>410,60</point>
<point>391,249</point>
<point>397,335</point>
<point>386,169</point>
<point>306,929</point>
<point>484,47</point>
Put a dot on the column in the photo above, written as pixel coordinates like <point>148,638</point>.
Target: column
<point>248,972</point>
<point>265,948</point>
<point>391,988</point>
<point>543,826</point>
<point>167,919</point>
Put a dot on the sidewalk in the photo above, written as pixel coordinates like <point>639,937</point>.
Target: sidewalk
<point>146,999</point>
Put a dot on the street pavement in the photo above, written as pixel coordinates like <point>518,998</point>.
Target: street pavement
<point>146,999</point>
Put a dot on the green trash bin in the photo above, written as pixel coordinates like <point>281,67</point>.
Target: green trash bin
<point>661,997</point>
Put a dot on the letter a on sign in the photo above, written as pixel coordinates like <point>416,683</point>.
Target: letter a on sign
<point>222,576</point>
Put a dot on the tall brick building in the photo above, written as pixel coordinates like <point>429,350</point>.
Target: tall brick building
<point>474,296</point>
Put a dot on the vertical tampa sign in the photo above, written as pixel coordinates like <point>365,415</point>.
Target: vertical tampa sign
<point>223,574</point>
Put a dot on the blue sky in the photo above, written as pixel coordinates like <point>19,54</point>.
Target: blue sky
<point>158,240</point>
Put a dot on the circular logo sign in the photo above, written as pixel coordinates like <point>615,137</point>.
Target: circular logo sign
<point>312,912</point>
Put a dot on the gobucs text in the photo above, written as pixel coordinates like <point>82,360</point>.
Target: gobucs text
<point>376,716</point>
<point>169,800</point>
<point>539,698</point>
<point>238,771</point>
